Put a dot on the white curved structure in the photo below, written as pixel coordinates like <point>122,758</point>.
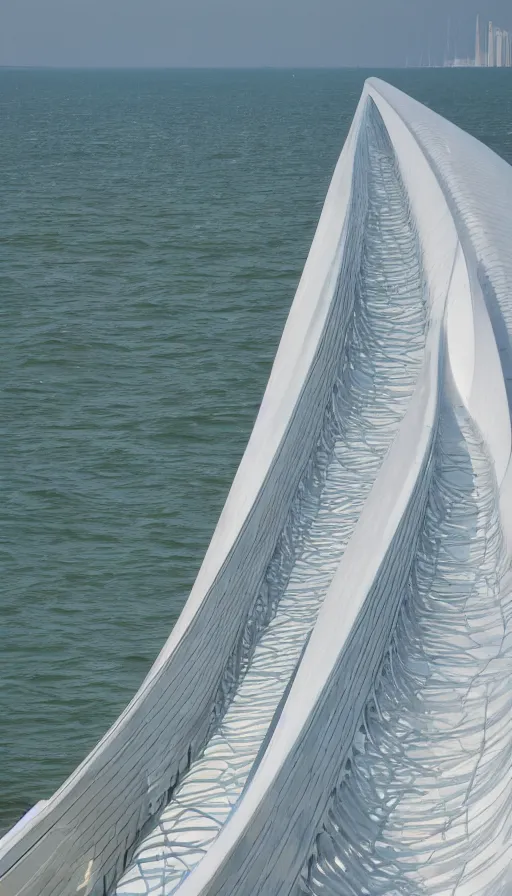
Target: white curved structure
<point>332,712</point>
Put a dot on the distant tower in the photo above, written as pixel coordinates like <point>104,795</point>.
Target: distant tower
<point>508,49</point>
<point>478,53</point>
<point>447,54</point>
<point>490,47</point>
<point>499,48</point>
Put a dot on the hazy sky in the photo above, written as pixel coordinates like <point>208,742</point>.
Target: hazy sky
<point>237,32</point>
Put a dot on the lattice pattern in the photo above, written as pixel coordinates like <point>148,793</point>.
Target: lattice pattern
<point>376,379</point>
<point>425,803</point>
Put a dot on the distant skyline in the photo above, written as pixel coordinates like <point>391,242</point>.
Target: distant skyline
<point>493,47</point>
<point>240,33</point>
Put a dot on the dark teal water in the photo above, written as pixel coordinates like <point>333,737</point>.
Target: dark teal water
<point>154,227</point>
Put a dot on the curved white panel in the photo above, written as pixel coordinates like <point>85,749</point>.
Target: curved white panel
<point>354,610</point>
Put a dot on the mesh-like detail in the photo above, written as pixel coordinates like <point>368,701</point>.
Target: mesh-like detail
<point>424,805</point>
<point>375,381</point>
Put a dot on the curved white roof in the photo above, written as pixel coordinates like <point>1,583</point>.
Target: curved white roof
<point>372,508</point>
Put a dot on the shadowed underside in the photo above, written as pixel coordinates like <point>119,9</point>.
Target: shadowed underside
<point>331,714</point>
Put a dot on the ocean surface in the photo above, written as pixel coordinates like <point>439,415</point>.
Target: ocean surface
<point>154,225</point>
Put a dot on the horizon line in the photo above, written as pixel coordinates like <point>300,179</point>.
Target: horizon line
<point>252,68</point>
